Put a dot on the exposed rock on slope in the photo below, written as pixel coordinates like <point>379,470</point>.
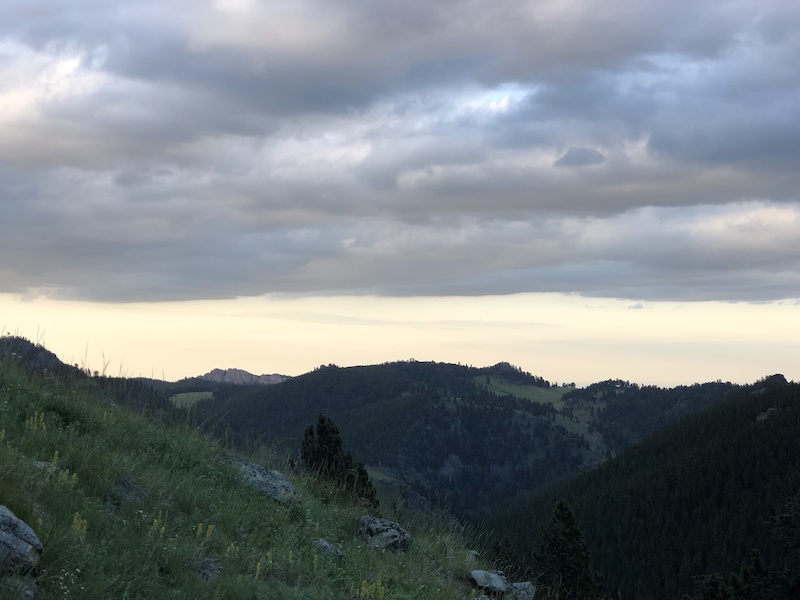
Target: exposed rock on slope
<point>272,484</point>
<point>240,377</point>
<point>380,533</point>
<point>20,550</point>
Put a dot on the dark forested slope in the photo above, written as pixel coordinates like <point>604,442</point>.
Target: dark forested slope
<point>624,413</point>
<point>693,498</point>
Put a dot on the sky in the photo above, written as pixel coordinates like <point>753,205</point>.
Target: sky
<point>587,190</point>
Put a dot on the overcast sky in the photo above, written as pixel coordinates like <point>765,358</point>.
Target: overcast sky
<point>174,150</point>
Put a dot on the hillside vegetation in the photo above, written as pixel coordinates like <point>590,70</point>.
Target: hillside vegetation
<point>131,507</point>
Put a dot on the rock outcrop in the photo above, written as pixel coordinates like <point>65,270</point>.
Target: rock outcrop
<point>329,549</point>
<point>492,582</point>
<point>523,590</point>
<point>766,414</point>
<point>240,377</point>
<point>20,548</point>
<point>272,484</point>
<point>496,584</point>
<point>381,533</point>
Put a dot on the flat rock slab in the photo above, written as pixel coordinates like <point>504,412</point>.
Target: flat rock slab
<point>272,484</point>
<point>494,582</point>
<point>20,548</point>
<point>380,533</point>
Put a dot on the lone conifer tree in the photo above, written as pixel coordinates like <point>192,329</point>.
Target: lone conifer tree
<point>323,454</point>
<point>322,449</point>
<point>562,560</point>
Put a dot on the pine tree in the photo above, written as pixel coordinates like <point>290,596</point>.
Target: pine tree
<point>322,449</point>
<point>562,562</point>
<point>323,454</point>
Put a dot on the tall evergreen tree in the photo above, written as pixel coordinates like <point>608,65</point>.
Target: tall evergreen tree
<point>322,450</point>
<point>562,562</point>
<point>323,454</point>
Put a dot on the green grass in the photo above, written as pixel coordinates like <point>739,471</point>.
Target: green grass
<point>132,508</point>
<point>500,386</point>
<point>189,399</point>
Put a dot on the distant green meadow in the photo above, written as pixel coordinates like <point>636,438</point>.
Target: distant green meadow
<point>189,399</point>
<point>500,386</point>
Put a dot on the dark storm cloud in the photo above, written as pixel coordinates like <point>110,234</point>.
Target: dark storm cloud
<point>177,150</point>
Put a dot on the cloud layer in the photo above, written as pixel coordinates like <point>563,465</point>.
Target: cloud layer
<point>176,150</point>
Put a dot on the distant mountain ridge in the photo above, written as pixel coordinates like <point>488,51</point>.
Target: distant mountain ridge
<point>241,377</point>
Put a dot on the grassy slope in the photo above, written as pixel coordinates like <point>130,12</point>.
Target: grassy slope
<point>542,395</point>
<point>130,508</point>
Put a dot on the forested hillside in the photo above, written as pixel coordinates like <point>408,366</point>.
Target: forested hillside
<point>624,413</point>
<point>692,499</point>
<point>467,439</point>
<point>427,429</point>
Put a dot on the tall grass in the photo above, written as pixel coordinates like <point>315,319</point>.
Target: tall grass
<point>127,507</point>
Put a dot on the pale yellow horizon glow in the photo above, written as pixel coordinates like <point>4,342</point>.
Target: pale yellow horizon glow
<point>562,338</point>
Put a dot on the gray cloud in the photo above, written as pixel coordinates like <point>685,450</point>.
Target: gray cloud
<point>580,157</point>
<point>161,151</point>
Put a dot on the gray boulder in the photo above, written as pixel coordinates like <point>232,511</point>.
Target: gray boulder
<point>20,548</point>
<point>380,533</point>
<point>524,590</point>
<point>329,549</point>
<point>493,582</point>
<point>270,483</point>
